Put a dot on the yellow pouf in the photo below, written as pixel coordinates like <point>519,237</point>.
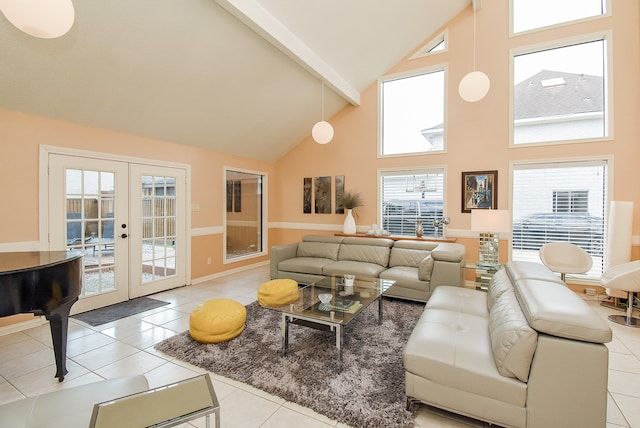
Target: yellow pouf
<point>278,292</point>
<point>217,320</point>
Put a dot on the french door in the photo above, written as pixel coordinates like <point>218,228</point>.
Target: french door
<point>127,219</point>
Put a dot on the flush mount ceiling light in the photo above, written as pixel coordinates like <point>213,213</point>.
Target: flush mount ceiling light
<point>46,19</point>
<point>475,85</point>
<point>322,132</point>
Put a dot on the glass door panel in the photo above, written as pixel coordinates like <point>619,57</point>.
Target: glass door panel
<point>159,251</point>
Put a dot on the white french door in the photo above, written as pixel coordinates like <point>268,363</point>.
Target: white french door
<point>158,232</point>
<point>127,219</point>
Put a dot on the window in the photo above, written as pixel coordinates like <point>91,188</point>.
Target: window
<point>560,93</point>
<point>533,14</point>
<point>563,201</point>
<point>412,113</point>
<point>244,225</point>
<point>411,195</point>
<point>436,45</point>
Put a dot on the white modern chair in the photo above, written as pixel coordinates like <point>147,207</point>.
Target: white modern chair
<point>564,258</point>
<point>625,276</point>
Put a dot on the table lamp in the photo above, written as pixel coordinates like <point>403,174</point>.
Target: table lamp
<point>490,223</point>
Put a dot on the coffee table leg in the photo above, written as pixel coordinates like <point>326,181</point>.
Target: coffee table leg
<point>285,334</point>
<point>380,310</point>
<point>339,342</point>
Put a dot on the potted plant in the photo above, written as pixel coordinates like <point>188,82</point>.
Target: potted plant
<point>350,200</point>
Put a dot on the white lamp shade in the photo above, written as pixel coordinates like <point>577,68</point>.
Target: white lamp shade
<point>495,221</point>
<point>474,86</point>
<point>322,132</point>
<point>46,19</point>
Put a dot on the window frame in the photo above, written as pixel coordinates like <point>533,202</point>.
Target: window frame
<point>262,229</point>
<point>413,73</point>
<point>428,48</point>
<point>607,37</point>
<point>572,161</point>
<point>403,171</point>
<point>512,33</point>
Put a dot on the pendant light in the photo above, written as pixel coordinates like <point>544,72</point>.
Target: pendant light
<point>475,85</point>
<point>46,19</point>
<point>322,132</point>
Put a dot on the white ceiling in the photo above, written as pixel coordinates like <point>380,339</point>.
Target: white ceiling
<point>235,76</point>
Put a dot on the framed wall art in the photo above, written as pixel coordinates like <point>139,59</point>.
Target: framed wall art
<point>339,193</point>
<point>479,190</point>
<point>307,189</point>
<point>323,195</point>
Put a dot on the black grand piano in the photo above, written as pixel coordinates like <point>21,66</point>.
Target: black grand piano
<point>42,283</point>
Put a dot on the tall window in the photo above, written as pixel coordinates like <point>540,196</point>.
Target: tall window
<point>244,225</point>
<point>563,201</point>
<point>533,14</point>
<point>412,113</point>
<point>411,195</point>
<point>560,93</point>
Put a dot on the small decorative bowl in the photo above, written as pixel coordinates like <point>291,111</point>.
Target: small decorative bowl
<point>325,297</point>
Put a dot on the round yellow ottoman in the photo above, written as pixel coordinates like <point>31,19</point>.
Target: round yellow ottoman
<point>217,320</point>
<point>278,292</point>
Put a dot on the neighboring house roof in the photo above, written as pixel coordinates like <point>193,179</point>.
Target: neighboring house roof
<point>554,93</point>
<point>551,93</point>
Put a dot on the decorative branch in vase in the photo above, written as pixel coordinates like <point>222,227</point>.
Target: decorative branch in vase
<point>350,200</point>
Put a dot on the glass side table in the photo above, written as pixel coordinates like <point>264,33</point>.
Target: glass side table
<point>483,273</point>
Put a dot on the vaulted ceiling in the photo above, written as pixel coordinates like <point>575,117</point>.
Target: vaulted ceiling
<point>236,76</point>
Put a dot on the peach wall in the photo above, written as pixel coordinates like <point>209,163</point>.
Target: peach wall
<point>21,136</point>
<point>477,133</point>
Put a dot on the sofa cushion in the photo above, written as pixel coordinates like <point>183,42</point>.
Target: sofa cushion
<point>513,341</point>
<point>458,299</point>
<point>312,265</point>
<point>500,283</point>
<point>453,349</point>
<point>425,267</point>
<point>362,251</point>
<point>318,249</point>
<point>359,269</point>
<point>406,275</point>
<point>554,309</point>
<point>406,257</point>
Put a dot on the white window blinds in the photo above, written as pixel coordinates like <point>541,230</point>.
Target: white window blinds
<point>411,195</point>
<point>560,202</point>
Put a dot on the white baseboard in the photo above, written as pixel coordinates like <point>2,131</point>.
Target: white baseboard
<point>21,326</point>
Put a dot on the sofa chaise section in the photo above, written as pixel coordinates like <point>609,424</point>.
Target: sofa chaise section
<point>527,353</point>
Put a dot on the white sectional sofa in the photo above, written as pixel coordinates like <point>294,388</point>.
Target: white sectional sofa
<point>418,267</point>
<point>527,353</point>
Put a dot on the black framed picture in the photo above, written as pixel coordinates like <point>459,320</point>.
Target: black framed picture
<point>479,190</point>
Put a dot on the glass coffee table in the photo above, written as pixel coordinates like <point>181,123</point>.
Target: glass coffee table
<point>347,303</point>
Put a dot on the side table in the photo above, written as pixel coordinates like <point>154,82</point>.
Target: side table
<point>483,273</point>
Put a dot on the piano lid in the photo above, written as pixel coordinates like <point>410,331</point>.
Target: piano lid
<point>13,262</point>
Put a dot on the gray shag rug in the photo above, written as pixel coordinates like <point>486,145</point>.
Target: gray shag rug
<point>367,392</point>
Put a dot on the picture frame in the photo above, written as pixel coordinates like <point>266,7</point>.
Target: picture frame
<point>323,195</point>
<point>339,193</point>
<point>307,189</point>
<point>479,190</point>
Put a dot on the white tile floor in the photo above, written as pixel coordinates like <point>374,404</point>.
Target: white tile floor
<point>125,347</point>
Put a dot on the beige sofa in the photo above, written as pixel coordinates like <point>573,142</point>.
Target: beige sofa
<point>418,267</point>
<point>527,353</point>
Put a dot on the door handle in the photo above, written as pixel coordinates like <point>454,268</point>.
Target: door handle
<point>124,235</point>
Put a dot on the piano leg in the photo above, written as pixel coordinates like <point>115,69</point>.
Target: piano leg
<point>59,323</point>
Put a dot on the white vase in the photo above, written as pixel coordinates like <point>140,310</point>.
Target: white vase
<point>349,227</point>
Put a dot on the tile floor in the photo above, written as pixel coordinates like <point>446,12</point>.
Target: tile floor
<point>125,347</point>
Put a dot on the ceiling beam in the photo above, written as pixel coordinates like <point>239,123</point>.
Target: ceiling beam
<point>264,24</point>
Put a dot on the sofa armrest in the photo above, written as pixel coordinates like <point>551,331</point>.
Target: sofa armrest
<point>280,253</point>
<point>447,267</point>
<point>449,252</point>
